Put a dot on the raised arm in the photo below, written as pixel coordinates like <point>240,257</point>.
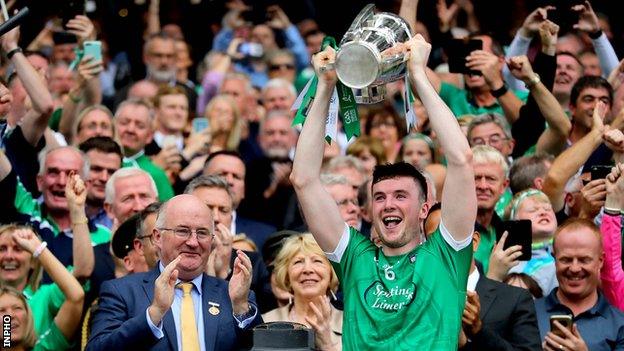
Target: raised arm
<point>569,162</point>
<point>84,259</point>
<point>33,125</point>
<point>319,208</point>
<point>68,317</point>
<point>408,13</point>
<point>459,200</point>
<point>611,274</point>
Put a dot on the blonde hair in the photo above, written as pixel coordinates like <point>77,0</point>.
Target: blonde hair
<point>234,134</point>
<point>29,337</point>
<point>242,238</point>
<point>519,198</point>
<point>34,275</point>
<point>295,244</point>
<point>487,154</point>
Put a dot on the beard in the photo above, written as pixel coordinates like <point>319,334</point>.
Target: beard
<point>160,75</point>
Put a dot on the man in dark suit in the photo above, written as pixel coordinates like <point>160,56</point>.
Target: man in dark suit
<point>230,166</point>
<point>497,316</point>
<point>176,306</point>
<point>215,192</point>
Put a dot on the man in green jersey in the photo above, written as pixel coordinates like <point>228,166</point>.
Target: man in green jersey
<point>403,295</point>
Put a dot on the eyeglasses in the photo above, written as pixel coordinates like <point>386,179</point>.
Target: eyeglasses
<point>276,66</point>
<point>492,140</point>
<point>185,233</point>
<point>145,236</point>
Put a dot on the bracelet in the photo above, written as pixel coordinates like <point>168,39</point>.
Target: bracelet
<point>83,221</point>
<point>40,249</point>
<point>594,35</point>
<point>612,211</point>
<point>500,91</point>
<point>11,53</point>
<point>533,81</point>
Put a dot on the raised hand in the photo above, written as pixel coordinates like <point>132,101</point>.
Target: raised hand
<point>419,51</point>
<point>219,259</point>
<point>26,239</point>
<point>164,288</point>
<point>75,192</point>
<point>520,67</point>
<point>10,39</point>
<point>588,21</point>
<point>533,21</point>
<point>489,65</point>
<point>89,68</point>
<point>549,32</point>
<point>240,283</point>
<point>593,196</point>
<point>502,260</point>
<point>278,18</point>
<point>320,62</point>
<point>600,111</point>
<point>446,14</point>
<point>82,27</point>
<point>614,140</point>
<point>616,77</point>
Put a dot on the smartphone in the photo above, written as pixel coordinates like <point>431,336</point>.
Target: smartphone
<point>93,48</point>
<point>563,319</point>
<point>519,232</point>
<point>599,171</point>
<point>71,9</point>
<point>200,124</point>
<point>457,50</point>
<point>251,49</point>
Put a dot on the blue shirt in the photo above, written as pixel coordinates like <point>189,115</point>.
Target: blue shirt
<point>196,294</point>
<point>602,326</point>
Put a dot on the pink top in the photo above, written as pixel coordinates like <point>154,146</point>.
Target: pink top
<point>612,275</point>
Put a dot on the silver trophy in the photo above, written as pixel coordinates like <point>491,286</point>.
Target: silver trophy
<point>363,61</point>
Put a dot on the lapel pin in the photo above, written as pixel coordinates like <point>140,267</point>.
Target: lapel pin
<point>214,308</point>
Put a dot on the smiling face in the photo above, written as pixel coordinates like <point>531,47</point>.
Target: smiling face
<point>58,165</point>
<point>14,307</point>
<point>102,166</point>
<point>309,275</point>
<point>184,211</point>
<point>94,123</point>
<point>567,73</point>
<point>397,211</point>
<point>578,260</point>
<point>132,195</point>
<point>541,214</point>
<point>15,262</point>
<point>221,116</point>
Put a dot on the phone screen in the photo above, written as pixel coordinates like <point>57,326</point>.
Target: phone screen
<point>599,171</point>
<point>519,232</point>
<point>200,124</point>
<point>457,51</point>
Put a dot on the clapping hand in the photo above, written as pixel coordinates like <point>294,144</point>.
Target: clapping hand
<point>320,321</point>
<point>164,288</point>
<point>240,283</point>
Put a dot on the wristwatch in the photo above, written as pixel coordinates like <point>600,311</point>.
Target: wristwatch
<point>532,81</point>
<point>500,91</point>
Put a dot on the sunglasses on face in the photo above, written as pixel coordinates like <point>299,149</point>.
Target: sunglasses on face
<point>276,66</point>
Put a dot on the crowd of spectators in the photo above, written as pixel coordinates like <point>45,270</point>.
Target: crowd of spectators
<point>163,185</point>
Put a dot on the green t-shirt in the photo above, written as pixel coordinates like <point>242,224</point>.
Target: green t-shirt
<point>165,190</point>
<point>45,304</point>
<point>51,340</point>
<point>458,100</point>
<point>25,203</point>
<point>407,302</point>
<point>503,202</point>
<point>486,245</point>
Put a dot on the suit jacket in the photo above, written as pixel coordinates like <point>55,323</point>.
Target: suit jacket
<point>256,231</point>
<point>120,322</point>
<point>508,317</point>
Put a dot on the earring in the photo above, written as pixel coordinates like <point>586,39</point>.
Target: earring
<point>333,295</point>
<point>290,300</point>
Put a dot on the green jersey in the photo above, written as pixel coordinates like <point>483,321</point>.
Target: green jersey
<point>407,302</point>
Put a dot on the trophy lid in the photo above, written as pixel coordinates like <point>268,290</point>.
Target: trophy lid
<point>357,64</point>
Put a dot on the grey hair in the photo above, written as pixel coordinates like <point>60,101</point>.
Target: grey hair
<point>109,191</point>
<point>487,154</point>
<point>209,181</point>
<point>237,76</point>
<point>152,208</point>
<point>329,179</point>
<point>43,155</point>
<point>525,169</point>
<point>137,102</point>
<point>161,216</point>
<point>281,84</point>
<point>347,161</point>
<point>489,118</point>
<point>273,114</point>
